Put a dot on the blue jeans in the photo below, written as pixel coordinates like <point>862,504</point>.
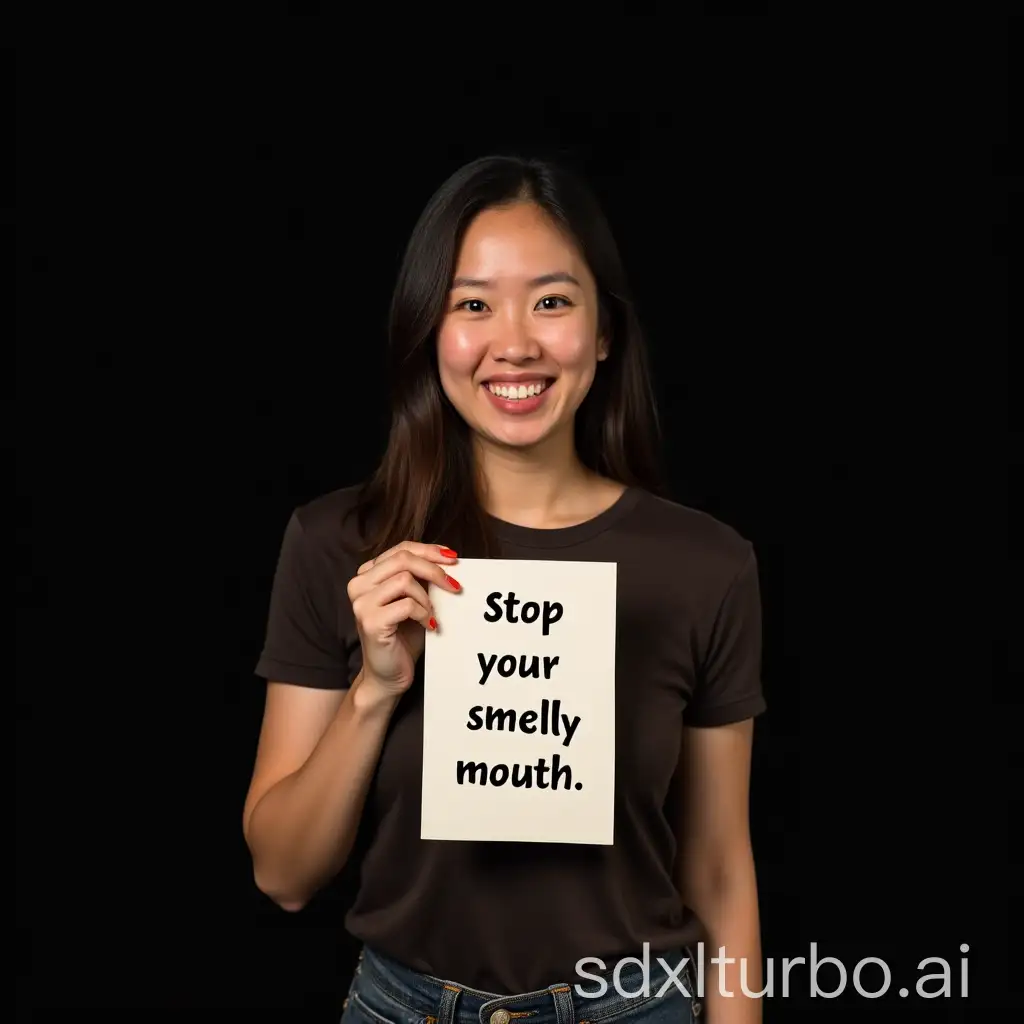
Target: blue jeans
<point>385,992</point>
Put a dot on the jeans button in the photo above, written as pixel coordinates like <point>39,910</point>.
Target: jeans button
<point>500,1017</point>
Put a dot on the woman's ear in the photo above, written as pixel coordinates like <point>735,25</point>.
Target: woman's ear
<point>603,333</point>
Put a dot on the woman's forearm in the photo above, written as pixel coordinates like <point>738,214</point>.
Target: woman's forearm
<point>302,830</point>
<point>728,907</point>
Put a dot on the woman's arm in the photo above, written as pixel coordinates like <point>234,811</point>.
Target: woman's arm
<point>716,865</point>
<point>318,750</point>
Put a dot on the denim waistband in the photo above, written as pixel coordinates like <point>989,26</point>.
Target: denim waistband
<point>570,1001</point>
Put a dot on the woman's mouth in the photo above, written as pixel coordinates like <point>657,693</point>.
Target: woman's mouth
<point>518,396</point>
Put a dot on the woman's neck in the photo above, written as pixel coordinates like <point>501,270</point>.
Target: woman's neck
<point>542,489</point>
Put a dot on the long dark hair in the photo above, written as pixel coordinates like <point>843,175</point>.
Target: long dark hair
<point>426,486</point>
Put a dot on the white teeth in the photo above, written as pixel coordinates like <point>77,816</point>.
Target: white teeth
<point>513,392</point>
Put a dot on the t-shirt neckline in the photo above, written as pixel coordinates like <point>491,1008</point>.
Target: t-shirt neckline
<point>565,536</point>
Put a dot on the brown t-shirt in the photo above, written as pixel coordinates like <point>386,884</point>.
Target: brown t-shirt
<point>514,917</point>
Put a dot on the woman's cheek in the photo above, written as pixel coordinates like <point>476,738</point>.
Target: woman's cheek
<point>572,349</point>
<point>459,348</point>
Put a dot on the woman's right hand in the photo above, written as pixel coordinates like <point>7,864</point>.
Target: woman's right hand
<point>392,610</point>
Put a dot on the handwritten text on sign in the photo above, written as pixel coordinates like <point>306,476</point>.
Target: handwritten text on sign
<point>519,704</point>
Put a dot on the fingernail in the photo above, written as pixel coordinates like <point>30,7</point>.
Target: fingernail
<point>448,553</point>
<point>433,622</point>
<point>455,583</point>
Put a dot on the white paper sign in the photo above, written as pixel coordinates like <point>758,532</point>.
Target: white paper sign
<point>519,704</point>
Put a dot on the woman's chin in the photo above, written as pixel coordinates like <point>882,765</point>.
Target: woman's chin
<point>521,436</point>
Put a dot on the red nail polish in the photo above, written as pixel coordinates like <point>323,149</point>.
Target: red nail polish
<point>448,553</point>
<point>455,583</point>
<point>433,623</point>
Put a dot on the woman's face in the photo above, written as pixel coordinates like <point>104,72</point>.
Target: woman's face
<point>518,345</point>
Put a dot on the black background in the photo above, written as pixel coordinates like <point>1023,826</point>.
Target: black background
<point>815,215</point>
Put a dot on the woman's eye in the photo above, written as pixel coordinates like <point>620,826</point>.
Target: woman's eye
<point>553,302</point>
<point>472,305</point>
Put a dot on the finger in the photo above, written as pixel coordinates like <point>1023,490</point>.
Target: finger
<point>405,561</point>
<point>394,588</point>
<point>405,610</point>
<point>434,552</point>
<point>370,608</point>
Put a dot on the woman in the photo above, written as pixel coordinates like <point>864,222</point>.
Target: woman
<point>522,427</point>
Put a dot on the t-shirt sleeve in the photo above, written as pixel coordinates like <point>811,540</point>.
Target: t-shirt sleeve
<point>310,631</point>
<point>729,687</point>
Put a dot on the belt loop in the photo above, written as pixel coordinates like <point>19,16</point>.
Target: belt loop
<point>446,1011</point>
<point>692,981</point>
<point>565,1012</point>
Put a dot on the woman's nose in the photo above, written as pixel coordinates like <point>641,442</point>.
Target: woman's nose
<point>513,340</point>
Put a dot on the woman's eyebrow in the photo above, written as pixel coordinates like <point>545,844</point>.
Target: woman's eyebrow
<point>556,277</point>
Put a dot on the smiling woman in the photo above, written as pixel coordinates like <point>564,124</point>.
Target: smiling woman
<point>523,427</point>
<point>517,359</point>
<point>502,325</point>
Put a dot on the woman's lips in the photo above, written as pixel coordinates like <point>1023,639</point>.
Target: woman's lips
<point>517,406</point>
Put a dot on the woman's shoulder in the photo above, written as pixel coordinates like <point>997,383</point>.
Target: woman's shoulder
<point>691,534</point>
<point>329,523</point>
